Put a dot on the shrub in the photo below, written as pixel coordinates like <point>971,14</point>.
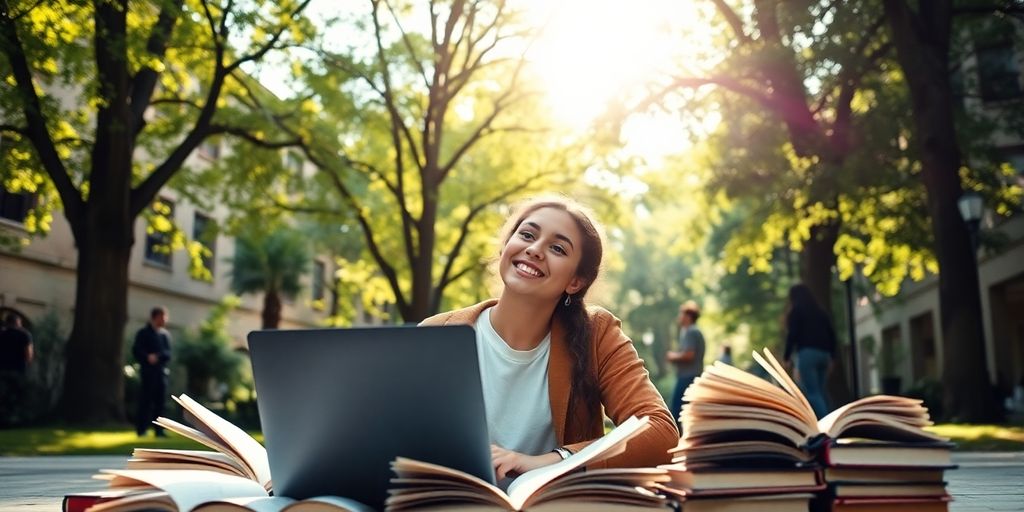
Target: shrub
<point>930,391</point>
<point>212,366</point>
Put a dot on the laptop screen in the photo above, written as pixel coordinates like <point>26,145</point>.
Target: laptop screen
<point>338,405</point>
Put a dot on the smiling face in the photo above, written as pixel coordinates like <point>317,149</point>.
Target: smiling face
<point>541,257</point>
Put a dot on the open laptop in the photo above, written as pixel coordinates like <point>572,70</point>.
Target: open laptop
<point>338,405</point>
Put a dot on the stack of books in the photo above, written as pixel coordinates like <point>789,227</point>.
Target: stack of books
<point>750,444</point>
<point>886,475</point>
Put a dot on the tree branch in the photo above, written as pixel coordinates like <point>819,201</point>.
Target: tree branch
<point>15,16</point>
<point>408,45</point>
<point>368,235</point>
<point>446,277</point>
<point>270,44</point>
<point>35,123</point>
<point>397,125</point>
<point>767,20</point>
<point>144,82</point>
<point>733,20</point>
<point>241,133</point>
<point>725,82</point>
<point>144,193</point>
<point>176,101</point>
<point>477,134</point>
<point>10,128</point>
<point>1013,11</point>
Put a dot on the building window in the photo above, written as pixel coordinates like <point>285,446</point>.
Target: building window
<point>158,233</point>
<point>319,273</point>
<point>999,72</point>
<point>15,206</point>
<point>204,231</point>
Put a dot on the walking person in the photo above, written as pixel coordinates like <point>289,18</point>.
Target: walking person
<point>688,358</point>
<point>152,350</point>
<point>811,341</point>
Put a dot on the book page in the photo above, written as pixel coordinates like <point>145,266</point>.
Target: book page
<point>772,366</point>
<point>186,431</point>
<point>255,503</point>
<point>528,483</point>
<point>188,488</point>
<point>247,448</point>
<point>149,500</point>
<point>893,409</point>
<point>733,382</point>
<point>283,504</point>
<point>436,474</point>
<point>145,458</point>
<point>335,502</point>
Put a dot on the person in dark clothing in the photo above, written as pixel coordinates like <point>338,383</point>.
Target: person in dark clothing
<point>812,340</point>
<point>152,350</point>
<point>15,357</point>
<point>15,346</point>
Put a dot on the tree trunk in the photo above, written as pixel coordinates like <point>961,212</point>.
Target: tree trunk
<point>104,233</point>
<point>94,377</point>
<point>922,47</point>
<point>423,265</point>
<point>816,261</point>
<point>271,309</point>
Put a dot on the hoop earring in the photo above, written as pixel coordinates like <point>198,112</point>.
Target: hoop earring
<point>568,299</point>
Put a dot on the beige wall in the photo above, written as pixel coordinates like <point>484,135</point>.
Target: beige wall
<point>921,298</point>
<point>42,276</point>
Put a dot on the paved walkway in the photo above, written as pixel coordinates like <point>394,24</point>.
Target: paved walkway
<point>985,481</point>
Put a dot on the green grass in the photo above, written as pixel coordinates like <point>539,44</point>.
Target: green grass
<point>57,441</point>
<point>982,438</point>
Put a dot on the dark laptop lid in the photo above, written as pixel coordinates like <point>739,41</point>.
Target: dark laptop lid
<point>338,405</point>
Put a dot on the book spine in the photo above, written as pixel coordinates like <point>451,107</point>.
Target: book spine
<point>78,503</point>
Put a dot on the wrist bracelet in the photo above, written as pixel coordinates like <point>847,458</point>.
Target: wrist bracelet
<point>562,452</point>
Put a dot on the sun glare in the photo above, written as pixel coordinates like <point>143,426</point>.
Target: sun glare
<point>590,51</point>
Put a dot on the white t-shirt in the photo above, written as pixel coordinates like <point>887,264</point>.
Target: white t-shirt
<point>515,385</point>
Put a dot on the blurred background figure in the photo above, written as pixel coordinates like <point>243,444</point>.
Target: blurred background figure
<point>689,356</point>
<point>810,345</point>
<point>152,350</point>
<point>15,358</point>
<point>726,356</point>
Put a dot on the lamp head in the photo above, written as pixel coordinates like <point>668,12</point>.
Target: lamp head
<point>971,205</point>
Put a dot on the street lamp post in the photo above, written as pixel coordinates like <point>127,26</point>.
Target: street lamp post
<point>852,332</point>
<point>971,207</point>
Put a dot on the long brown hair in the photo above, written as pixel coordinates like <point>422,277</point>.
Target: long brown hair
<point>573,316</point>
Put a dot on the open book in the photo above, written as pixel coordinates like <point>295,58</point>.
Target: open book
<point>732,415</point>
<point>422,485</point>
<point>174,490</point>
<point>235,476</point>
<point>237,453</point>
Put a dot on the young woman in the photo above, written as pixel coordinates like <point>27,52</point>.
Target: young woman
<point>548,363</point>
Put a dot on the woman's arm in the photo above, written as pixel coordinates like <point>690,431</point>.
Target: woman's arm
<point>627,390</point>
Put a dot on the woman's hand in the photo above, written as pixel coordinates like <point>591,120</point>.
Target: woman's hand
<point>508,463</point>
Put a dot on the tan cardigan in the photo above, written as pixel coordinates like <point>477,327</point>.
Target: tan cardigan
<point>625,387</point>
